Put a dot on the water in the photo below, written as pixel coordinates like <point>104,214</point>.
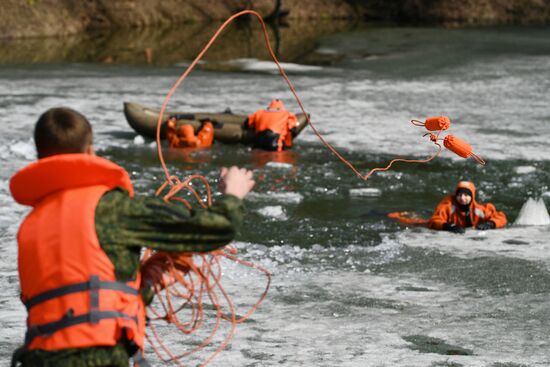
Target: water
<point>350,287</point>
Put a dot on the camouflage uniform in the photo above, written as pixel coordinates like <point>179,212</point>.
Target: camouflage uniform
<point>124,226</point>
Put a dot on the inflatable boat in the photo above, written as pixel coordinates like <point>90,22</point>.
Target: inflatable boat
<point>228,127</point>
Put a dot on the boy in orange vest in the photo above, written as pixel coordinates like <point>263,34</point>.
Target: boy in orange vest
<point>461,210</point>
<point>79,248</point>
<point>274,126</point>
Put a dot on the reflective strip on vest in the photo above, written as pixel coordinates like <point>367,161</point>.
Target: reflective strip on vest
<point>93,284</point>
<point>480,213</point>
<point>93,317</point>
<point>70,320</point>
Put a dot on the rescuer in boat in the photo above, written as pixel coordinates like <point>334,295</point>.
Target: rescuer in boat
<point>460,210</point>
<point>79,248</point>
<point>183,136</point>
<point>274,126</point>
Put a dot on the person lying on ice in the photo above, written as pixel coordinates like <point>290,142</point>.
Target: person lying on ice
<point>184,136</point>
<point>274,126</point>
<point>79,248</point>
<point>456,212</point>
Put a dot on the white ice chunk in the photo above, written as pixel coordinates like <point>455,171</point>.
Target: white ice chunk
<point>138,140</point>
<point>365,191</point>
<point>326,51</point>
<point>533,213</point>
<point>281,197</point>
<point>270,67</point>
<point>523,170</point>
<point>279,165</point>
<point>275,212</point>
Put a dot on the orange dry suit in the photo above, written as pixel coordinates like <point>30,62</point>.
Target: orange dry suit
<point>273,126</point>
<point>184,135</point>
<point>68,283</point>
<point>448,211</point>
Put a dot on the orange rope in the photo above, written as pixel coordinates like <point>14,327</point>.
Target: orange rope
<point>167,271</point>
<point>292,89</point>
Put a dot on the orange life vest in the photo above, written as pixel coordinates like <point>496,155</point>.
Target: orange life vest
<point>278,120</point>
<point>68,283</point>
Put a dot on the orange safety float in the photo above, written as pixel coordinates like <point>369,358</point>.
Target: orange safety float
<point>434,123</point>
<point>408,219</point>
<point>461,148</point>
<point>451,142</point>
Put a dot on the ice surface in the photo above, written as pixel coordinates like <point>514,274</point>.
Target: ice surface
<point>280,197</point>
<point>276,212</point>
<point>527,243</point>
<point>365,191</point>
<point>270,67</point>
<point>522,170</point>
<point>279,165</point>
<point>139,140</point>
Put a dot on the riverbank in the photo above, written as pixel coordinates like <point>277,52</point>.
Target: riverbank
<point>172,45</point>
<point>42,18</point>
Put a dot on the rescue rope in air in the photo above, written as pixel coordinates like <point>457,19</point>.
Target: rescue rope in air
<point>180,276</point>
<point>454,144</point>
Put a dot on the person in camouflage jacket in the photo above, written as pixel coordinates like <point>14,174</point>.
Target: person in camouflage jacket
<point>125,224</point>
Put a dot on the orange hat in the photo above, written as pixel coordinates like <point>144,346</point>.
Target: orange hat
<point>276,104</point>
<point>466,186</point>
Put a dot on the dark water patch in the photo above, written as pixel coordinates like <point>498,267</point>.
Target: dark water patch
<point>515,242</point>
<point>260,356</point>
<point>408,52</point>
<point>476,238</point>
<point>368,302</point>
<point>334,302</point>
<point>320,210</point>
<point>410,288</point>
<point>120,134</point>
<point>427,344</point>
<point>446,364</point>
<point>313,293</point>
<point>493,275</point>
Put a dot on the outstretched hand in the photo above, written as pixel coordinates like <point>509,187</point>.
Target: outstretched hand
<point>453,228</point>
<point>236,181</point>
<point>486,225</point>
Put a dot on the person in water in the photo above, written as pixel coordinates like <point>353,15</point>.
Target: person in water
<point>461,210</point>
<point>79,248</point>
<point>183,136</point>
<point>274,127</point>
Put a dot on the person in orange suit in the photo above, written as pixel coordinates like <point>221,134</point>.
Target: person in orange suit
<point>184,135</point>
<point>461,210</point>
<point>274,126</point>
